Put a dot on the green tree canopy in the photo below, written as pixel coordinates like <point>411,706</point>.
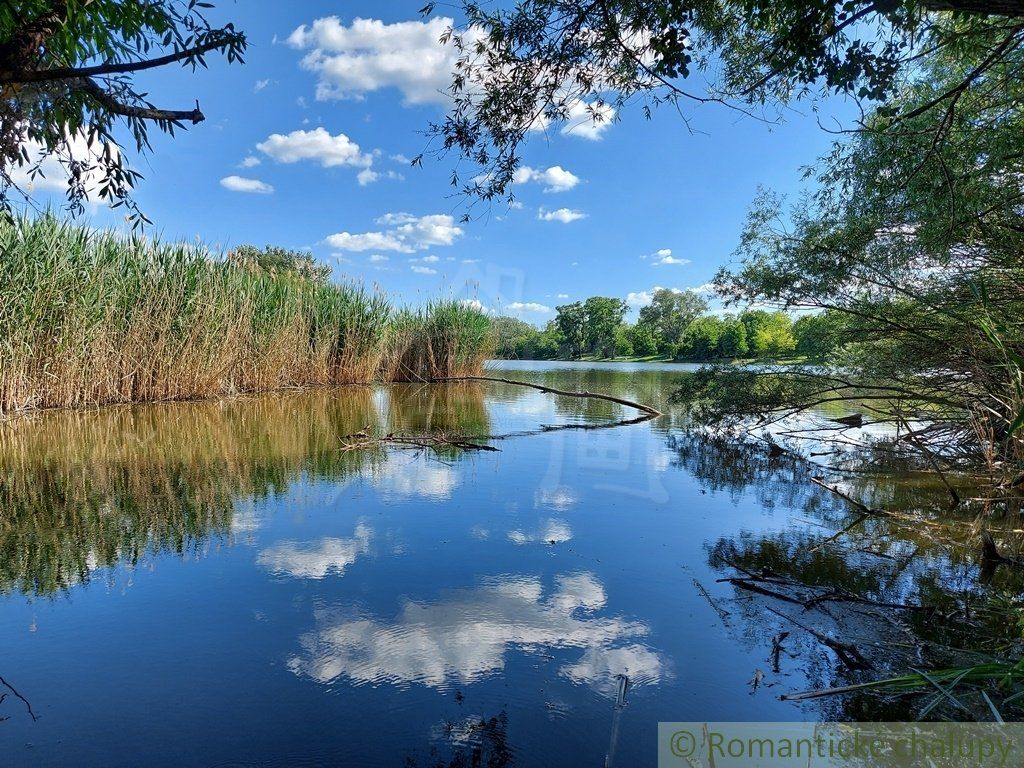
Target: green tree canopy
<point>67,70</point>
<point>669,314</point>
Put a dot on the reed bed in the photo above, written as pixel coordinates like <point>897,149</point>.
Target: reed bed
<point>91,318</point>
<point>444,339</point>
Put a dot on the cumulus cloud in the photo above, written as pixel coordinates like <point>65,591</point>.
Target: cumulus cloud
<point>561,295</point>
<point>369,55</point>
<point>242,184</point>
<point>423,270</point>
<point>350,60</point>
<point>664,257</point>
<point>465,637</point>
<point>554,179</point>
<point>528,306</point>
<point>317,145</point>
<point>564,215</point>
<point>404,233</point>
<point>260,85</point>
<point>377,258</point>
<point>315,561</point>
<point>250,162</point>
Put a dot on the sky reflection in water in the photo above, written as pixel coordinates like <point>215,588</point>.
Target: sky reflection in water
<point>189,584</point>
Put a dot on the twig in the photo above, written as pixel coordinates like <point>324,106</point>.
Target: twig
<point>12,689</point>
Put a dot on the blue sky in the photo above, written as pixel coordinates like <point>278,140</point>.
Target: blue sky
<point>334,105</point>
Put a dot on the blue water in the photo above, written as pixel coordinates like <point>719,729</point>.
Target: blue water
<point>222,584</point>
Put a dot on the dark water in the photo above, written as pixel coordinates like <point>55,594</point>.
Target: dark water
<point>222,584</point>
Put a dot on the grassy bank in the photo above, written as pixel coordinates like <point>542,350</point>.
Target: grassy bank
<point>91,318</point>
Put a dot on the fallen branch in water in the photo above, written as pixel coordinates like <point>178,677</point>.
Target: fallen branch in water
<point>25,701</point>
<point>846,653</point>
<point>363,439</point>
<point>564,393</point>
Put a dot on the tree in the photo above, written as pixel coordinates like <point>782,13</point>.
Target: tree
<point>644,341</point>
<point>571,324</point>
<point>819,336</point>
<point>912,239</point>
<point>67,71</point>
<point>515,338</point>
<point>669,313</point>
<point>542,62</point>
<point>701,339</point>
<point>602,317</point>
<point>624,341</point>
<point>733,341</point>
<point>769,334</point>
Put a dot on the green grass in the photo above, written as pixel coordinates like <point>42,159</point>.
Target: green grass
<point>90,318</point>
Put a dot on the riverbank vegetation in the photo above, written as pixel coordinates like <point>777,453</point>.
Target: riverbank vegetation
<point>676,325</point>
<point>90,318</point>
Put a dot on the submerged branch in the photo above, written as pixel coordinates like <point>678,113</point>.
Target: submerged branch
<point>565,393</point>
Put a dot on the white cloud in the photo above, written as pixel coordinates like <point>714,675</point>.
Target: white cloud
<point>377,258</point>
<point>423,270</point>
<point>317,145</point>
<point>405,233</point>
<point>529,306</point>
<point>250,161</point>
<point>429,259</point>
<point>53,176</point>
<point>564,215</point>
<point>329,555</point>
<point>588,120</point>
<point>260,85</point>
<point>366,241</point>
<point>367,176</point>
<point>664,257</point>
<point>554,179</point>
<point>561,295</point>
<point>369,55</point>
<point>242,184</point>
<point>474,303</point>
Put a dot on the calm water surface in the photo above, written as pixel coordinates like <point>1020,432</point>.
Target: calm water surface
<point>222,584</point>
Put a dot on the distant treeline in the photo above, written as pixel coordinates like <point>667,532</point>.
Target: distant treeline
<point>89,317</point>
<point>675,325</point>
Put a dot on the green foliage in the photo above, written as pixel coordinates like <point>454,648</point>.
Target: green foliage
<point>820,336</point>
<point>910,250</point>
<point>67,72</point>
<point>514,338</point>
<point>602,317</point>
<point>571,325</point>
<point>732,343</point>
<point>701,338</point>
<point>624,341</point>
<point>643,339</point>
<point>669,314</point>
<point>769,334</point>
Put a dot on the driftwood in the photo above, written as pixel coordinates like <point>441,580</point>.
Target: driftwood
<point>564,393</point>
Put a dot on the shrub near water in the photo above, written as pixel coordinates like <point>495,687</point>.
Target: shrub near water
<point>89,318</point>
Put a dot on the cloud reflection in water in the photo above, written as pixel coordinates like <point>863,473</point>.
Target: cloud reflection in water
<point>465,636</point>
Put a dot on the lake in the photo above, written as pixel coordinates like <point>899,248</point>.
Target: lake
<point>224,583</point>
